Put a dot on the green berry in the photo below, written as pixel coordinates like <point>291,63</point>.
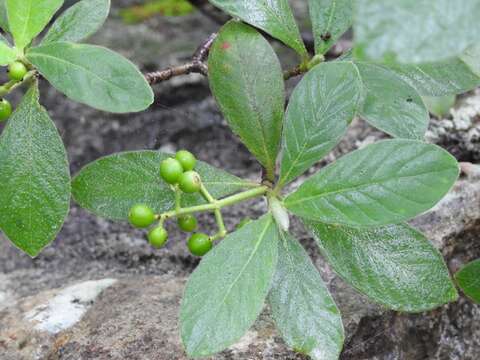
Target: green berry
<point>189,182</point>
<point>170,170</point>
<point>199,244</point>
<point>187,223</point>
<point>17,71</point>
<point>141,216</point>
<point>187,159</point>
<point>5,110</point>
<point>157,237</point>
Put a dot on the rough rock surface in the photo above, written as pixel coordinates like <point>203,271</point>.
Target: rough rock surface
<point>136,316</point>
<point>459,132</point>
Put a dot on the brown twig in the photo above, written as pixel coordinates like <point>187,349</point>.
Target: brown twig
<point>196,65</point>
<point>201,54</point>
<point>221,18</point>
<point>184,69</point>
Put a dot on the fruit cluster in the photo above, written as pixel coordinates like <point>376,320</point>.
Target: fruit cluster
<point>179,173</point>
<point>16,72</point>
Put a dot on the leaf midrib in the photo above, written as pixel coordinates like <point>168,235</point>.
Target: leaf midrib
<point>292,267</point>
<point>290,25</point>
<point>85,69</point>
<point>26,22</point>
<point>254,251</point>
<point>293,163</point>
<point>353,188</point>
<point>300,153</point>
<point>258,119</point>
<point>240,274</point>
<point>330,17</point>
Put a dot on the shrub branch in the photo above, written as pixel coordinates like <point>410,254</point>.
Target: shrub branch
<point>196,65</point>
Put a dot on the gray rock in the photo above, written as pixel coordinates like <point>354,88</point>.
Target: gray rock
<point>29,329</point>
<point>459,132</point>
<point>131,319</point>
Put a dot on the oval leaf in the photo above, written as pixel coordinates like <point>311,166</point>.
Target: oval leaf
<point>391,104</point>
<point>35,178</point>
<point>393,265</point>
<point>384,183</point>
<point>272,16</point>
<point>452,76</point>
<point>27,18</point>
<point>468,278</point>
<point>227,291</point>
<point>79,21</point>
<point>249,89</point>
<point>302,307</point>
<point>319,111</point>
<point>400,30</point>
<point>330,20</point>
<point>110,186</point>
<point>93,75</point>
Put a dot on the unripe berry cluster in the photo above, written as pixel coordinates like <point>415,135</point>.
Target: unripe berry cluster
<point>16,72</point>
<point>177,171</point>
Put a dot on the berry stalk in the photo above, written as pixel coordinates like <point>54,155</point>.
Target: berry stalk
<point>13,84</point>
<point>211,207</point>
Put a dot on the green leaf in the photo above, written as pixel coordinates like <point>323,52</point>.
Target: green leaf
<point>3,16</point>
<point>79,21</point>
<point>452,76</point>
<point>471,57</point>
<point>27,18</point>
<point>275,17</point>
<point>393,265</point>
<point>391,104</point>
<point>7,54</point>
<point>327,99</point>
<point>110,186</point>
<point>468,278</point>
<point>93,75</point>
<point>35,177</point>
<point>227,291</point>
<point>415,31</point>
<point>249,89</point>
<point>302,307</point>
<point>320,109</point>
<point>384,183</point>
<point>440,105</point>
<point>330,20</point>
